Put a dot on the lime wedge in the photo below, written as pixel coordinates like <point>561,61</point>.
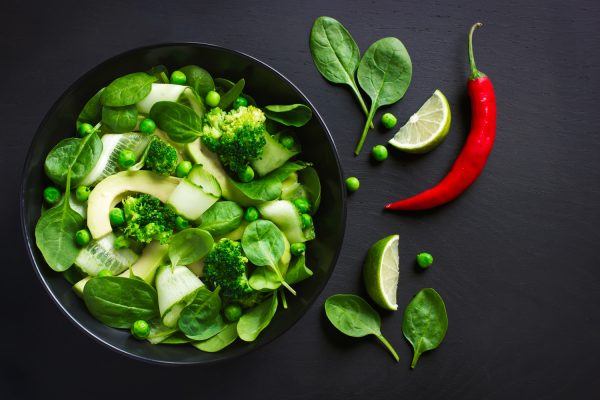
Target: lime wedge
<point>425,129</point>
<point>381,272</point>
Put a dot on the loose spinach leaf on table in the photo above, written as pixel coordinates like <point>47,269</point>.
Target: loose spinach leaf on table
<point>120,119</point>
<point>353,316</point>
<point>180,122</point>
<point>127,90</point>
<point>201,319</point>
<point>296,115</point>
<point>189,245</point>
<point>92,111</point>
<point>258,318</point>
<point>221,340</point>
<point>198,79</point>
<point>229,97</point>
<point>75,156</point>
<point>269,186</point>
<point>425,322</point>
<point>222,217</point>
<point>118,302</point>
<point>298,271</point>
<point>384,74</point>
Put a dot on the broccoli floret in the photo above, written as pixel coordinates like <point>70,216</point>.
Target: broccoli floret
<point>147,219</point>
<point>161,157</point>
<point>225,266</point>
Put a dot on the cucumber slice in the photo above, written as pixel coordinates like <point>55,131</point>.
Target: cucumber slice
<point>201,177</point>
<point>176,288</point>
<point>101,254</point>
<point>190,201</point>
<point>160,92</point>
<point>287,218</point>
<point>274,156</point>
<point>112,144</point>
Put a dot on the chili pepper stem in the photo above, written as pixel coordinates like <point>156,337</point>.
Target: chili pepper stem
<point>475,73</point>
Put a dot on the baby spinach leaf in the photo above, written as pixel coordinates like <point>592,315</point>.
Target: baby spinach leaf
<point>176,338</point>
<point>118,302</point>
<point>290,115</point>
<point>120,119</point>
<point>221,340</point>
<point>222,85</point>
<point>384,74</point>
<point>264,279</point>
<point>127,90</point>
<point>222,217</point>
<point>198,79</point>
<point>228,97</point>
<point>201,320</point>
<point>180,122</point>
<point>425,322</point>
<point>298,271</point>
<point>92,111</point>
<point>75,155</point>
<point>269,186</point>
<point>189,245</point>
<point>159,332</point>
<point>258,318</point>
<point>309,178</point>
<point>353,316</point>
<point>263,243</point>
<point>160,72</point>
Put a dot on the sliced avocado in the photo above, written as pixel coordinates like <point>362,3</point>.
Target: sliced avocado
<point>111,190</point>
<point>274,155</point>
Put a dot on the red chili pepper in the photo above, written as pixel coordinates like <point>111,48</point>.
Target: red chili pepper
<point>475,152</point>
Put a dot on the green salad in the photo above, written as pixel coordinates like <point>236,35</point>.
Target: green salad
<point>181,210</point>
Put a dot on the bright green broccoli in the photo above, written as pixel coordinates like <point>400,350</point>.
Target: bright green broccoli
<point>225,266</point>
<point>161,157</point>
<point>237,136</point>
<point>147,219</point>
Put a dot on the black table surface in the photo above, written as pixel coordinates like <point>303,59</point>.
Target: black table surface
<point>516,256</point>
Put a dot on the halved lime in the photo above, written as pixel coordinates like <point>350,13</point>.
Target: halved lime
<point>381,272</point>
<point>425,129</point>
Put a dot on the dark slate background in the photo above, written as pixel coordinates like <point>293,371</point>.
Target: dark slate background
<point>516,257</point>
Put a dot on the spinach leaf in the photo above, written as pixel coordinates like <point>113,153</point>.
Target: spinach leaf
<point>201,319</point>
<point>269,186</point>
<point>189,246</point>
<point>384,74</point>
<point>160,72</point>
<point>198,79</point>
<point>180,122</point>
<point>176,338</point>
<point>309,178</point>
<point>92,111</point>
<point>289,115</point>
<point>335,54</point>
<point>228,97</point>
<point>221,340</point>
<point>127,90</point>
<point>75,156</point>
<point>258,318</point>
<point>118,302</point>
<point>298,271</point>
<point>159,332</point>
<point>120,119</point>
<point>222,217</point>
<point>353,316</point>
<point>264,279</point>
<point>425,322</point>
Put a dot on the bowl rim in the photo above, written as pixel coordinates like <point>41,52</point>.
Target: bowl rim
<point>29,238</point>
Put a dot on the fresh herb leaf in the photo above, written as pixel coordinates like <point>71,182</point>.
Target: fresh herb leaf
<point>221,340</point>
<point>120,119</point>
<point>127,90</point>
<point>296,115</point>
<point>258,318</point>
<point>189,246</point>
<point>180,122</point>
<point>264,279</point>
<point>222,217</point>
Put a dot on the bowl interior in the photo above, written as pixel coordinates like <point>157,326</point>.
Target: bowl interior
<point>267,87</point>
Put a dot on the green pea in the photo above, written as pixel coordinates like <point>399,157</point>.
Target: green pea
<point>287,141</point>
<point>424,260</point>
<point>85,129</point>
<point>82,237</point>
<point>388,120</point>
<point>140,329</point>
<point>307,220</point>
<point>212,98</point>
<point>126,159</point>
<point>247,174</point>
<point>82,193</point>
<point>303,205</point>
<point>147,126</point>
<point>104,272</point>
<point>121,242</point>
<point>178,78</point>
<point>233,312</point>
<point>251,214</point>
<point>379,152</point>
<point>298,249</point>
<point>181,223</point>
<point>352,183</point>
<point>52,195</point>
<point>116,217</point>
<point>183,169</point>
<point>240,102</point>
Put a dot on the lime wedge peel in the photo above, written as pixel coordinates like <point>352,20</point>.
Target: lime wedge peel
<point>381,272</point>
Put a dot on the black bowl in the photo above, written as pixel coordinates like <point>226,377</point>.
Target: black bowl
<point>267,86</point>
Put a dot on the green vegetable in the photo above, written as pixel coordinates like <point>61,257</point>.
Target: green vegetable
<point>199,79</point>
<point>85,129</point>
<point>180,122</point>
<point>309,179</point>
<point>104,273</point>
<point>82,237</point>
<point>120,119</point>
<point>126,159</point>
<point>178,78</point>
<point>229,97</point>
<point>147,126</point>
<point>233,312</point>
<point>269,186</point>
<point>379,152</point>
<point>290,115</point>
<point>247,174</point>
<point>189,246</point>
<point>183,169</point>
<point>201,319</point>
<point>161,157</point>
<point>82,193</point>
<point>122,242</point>
<point>251,214</point>
<point>160,73</point>
<point>91,114</point>
<point>221,340</point>
<point>298,249</point>
<point>287,141</point>
<point>352,183</point>
<point>118,302</point>
<point>147,219</point>
<point>240,102</point>
<point>181,223</point>
<point>302,205</point>
<point>116,217</point>
<point>424,260</point>
<point>353,316</point>
<point>298,271</point>
<point>307,221</point>
<point>388,120</point>
<point>212,99</point>
<point>73,156</point>
<point>222,218</point>
<point>425,322</point>
<point>252,323</point>
<point>127,90</point>
<point>52,195</point>
<point>384,74</point>
<point>140,329</point>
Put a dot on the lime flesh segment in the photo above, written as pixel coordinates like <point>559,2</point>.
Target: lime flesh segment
<point>425,129</point>
<point>381,272</point>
